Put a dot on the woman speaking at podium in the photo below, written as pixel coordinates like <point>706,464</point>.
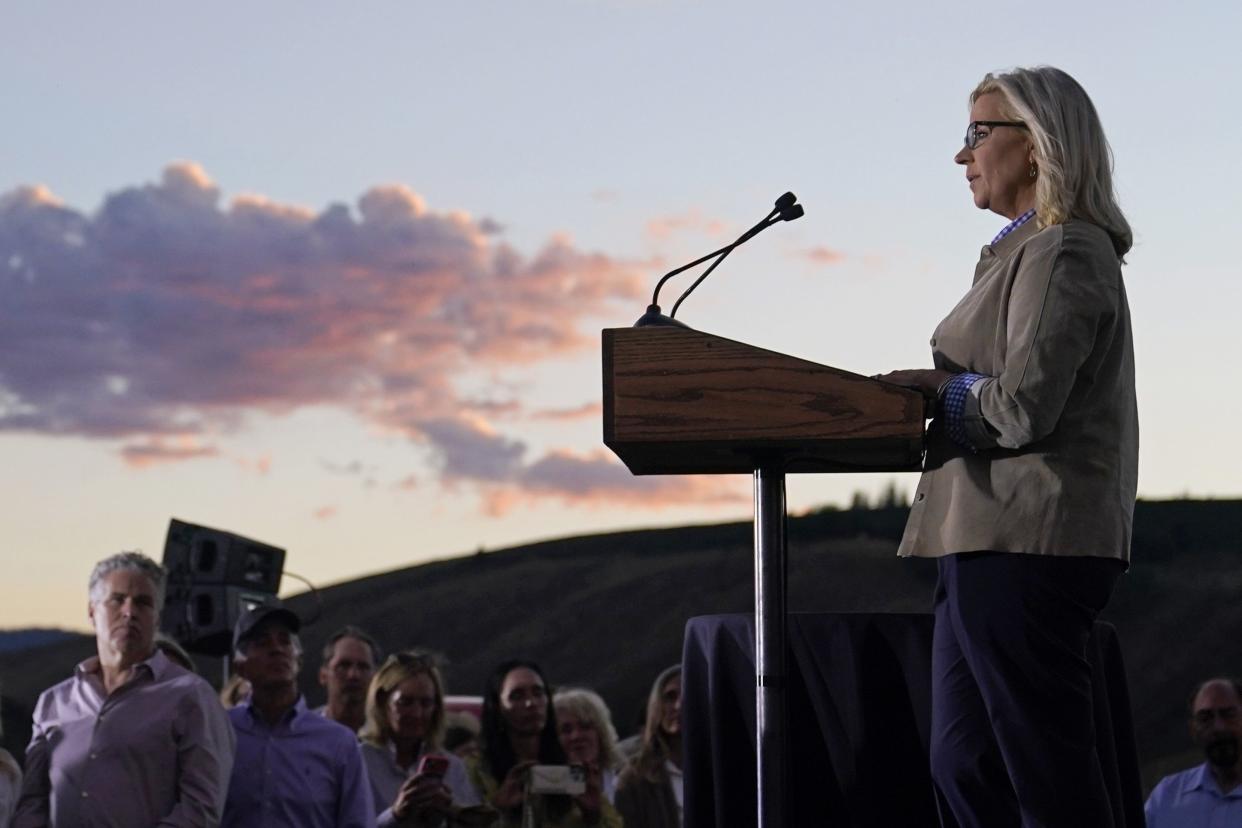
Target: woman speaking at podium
<point>1029,482</point>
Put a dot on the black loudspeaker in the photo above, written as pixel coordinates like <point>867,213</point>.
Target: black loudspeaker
<point>213,577</point>
<point>210,556</point>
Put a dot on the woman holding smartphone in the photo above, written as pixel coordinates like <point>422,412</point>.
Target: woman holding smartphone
<point>412,778</point>
<point>519,733</point>
<point>588,736</point>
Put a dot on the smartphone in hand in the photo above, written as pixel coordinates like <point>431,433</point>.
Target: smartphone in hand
<point>432,765</point>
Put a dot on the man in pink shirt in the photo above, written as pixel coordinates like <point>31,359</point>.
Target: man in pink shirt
<point>131,738</point>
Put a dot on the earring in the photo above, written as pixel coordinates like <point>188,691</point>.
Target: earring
<point>1032,172</point>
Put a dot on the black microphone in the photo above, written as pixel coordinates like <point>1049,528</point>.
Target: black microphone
<point>786,209</point>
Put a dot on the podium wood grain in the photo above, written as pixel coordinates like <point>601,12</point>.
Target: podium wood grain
<point>679,401</point>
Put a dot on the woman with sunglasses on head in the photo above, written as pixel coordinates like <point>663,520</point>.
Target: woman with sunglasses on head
<point>414,781</point>
<point>518,732</point>
<point>1029,482</point>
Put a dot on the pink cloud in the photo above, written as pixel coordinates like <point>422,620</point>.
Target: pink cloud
<point>158,450</point>
<point>693,220</point>
<point>492,407</point>
<point>823,255</point>
<point>586,411</point>
<point>261,464</point>
<point>167,316</point>
<point>166,312</point>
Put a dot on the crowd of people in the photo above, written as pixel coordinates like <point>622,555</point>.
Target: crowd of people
<point>135,737</point>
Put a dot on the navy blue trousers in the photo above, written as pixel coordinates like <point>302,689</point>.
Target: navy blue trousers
<point>1013,736</point>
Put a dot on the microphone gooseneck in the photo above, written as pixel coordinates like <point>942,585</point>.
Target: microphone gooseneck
<point>786,209</point>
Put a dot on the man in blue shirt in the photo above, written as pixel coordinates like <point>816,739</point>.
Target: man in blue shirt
<point>293,768</point>
<point>1211,794</point>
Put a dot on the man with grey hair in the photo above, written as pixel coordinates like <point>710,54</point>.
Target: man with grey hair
<point>130,738</point>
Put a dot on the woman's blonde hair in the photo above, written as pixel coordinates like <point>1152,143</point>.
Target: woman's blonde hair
<point>1074,160</point>
<point>655,747</point>
<point>587,705</point>
<point>396,669</point>
<point>235,691</point>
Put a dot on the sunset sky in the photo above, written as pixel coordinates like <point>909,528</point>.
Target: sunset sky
<point>332,276</point>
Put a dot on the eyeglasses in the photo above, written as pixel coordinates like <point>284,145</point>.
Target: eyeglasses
<point>974,136</point>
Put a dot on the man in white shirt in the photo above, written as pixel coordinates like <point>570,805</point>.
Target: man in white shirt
<point>1210,794</point>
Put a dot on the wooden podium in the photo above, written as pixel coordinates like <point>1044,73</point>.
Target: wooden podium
<point>679,401</point>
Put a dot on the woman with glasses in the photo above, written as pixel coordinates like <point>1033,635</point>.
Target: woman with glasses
<point>1029,481</point>
<point>587,735</point>
<point>518,732</point>
<point>404,726</point>
<point>649,794</point>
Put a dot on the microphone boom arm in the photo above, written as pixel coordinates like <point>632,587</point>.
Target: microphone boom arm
<point>747,236</point>
<point>787,209</point>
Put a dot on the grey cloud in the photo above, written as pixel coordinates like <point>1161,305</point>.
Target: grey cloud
<point>469,452</point>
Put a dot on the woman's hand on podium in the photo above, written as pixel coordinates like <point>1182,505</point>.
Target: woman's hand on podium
<point>928,381</point>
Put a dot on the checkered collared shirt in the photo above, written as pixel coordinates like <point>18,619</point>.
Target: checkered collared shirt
<point>1014,225</point>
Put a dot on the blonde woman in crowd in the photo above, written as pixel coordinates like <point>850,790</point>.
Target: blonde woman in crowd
<point>235,691</point>
<point>587,735</point>
<point>649,794</point>
<point>412,778</point>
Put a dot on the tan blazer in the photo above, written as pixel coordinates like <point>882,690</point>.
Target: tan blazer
<point>1055,422</point>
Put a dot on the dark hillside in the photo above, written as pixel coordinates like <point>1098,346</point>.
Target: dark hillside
<point>608,610</point>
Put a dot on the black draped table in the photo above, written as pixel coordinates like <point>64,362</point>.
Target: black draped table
<point>859,712</point>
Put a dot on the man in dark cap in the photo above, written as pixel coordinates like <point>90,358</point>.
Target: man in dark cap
<point>1210,794</point>
<point>293,768</point>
